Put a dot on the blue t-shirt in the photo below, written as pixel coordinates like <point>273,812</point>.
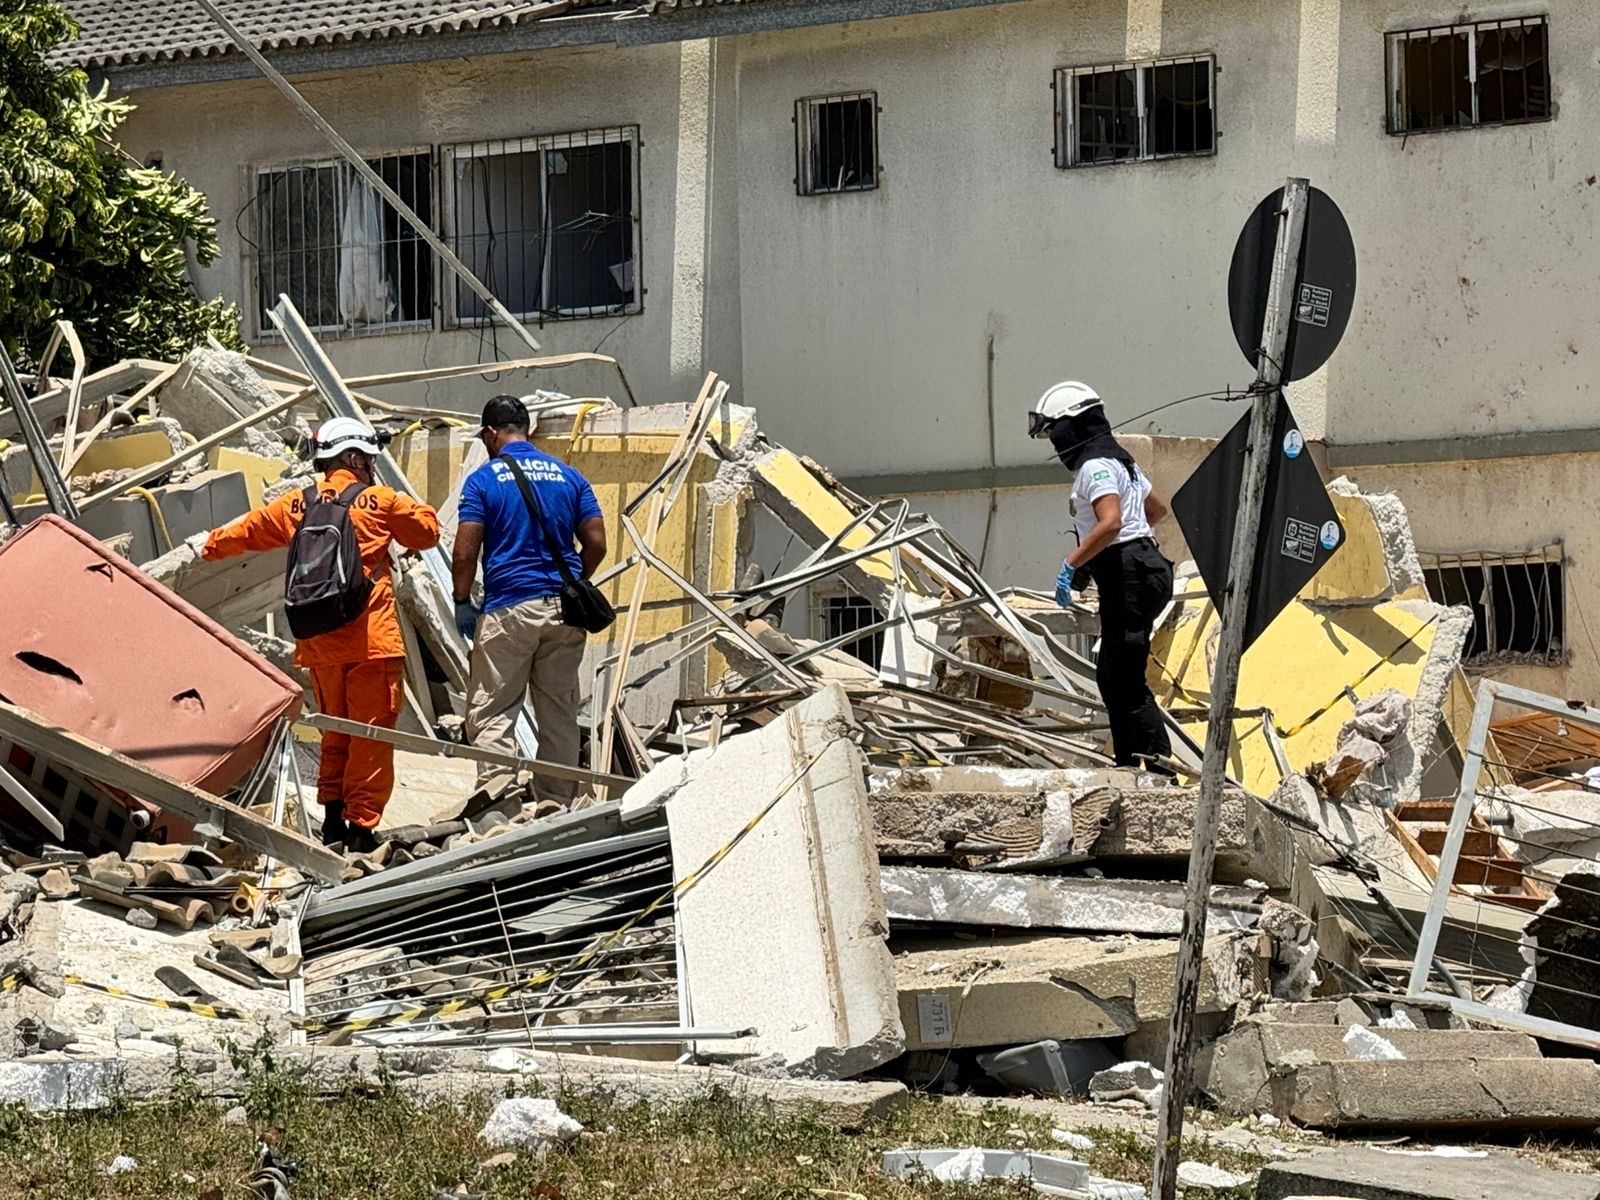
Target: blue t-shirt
<point>516,563</point>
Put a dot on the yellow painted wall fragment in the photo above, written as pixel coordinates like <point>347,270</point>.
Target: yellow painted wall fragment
<point>1298,669</point>
<point>258,469</point>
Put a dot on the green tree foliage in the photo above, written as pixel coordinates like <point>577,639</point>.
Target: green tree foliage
<point>86,233</point>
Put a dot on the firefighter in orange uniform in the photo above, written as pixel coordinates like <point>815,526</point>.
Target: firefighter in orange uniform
<point>357,670</point>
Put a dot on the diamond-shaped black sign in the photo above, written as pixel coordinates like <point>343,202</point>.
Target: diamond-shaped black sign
<point>1299,528</point>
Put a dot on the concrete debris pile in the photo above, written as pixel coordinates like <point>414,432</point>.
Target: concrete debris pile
<point>899,849</point>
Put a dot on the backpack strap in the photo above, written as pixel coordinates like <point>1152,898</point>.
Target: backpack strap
<point>349,495</point>
<point>531,499</point>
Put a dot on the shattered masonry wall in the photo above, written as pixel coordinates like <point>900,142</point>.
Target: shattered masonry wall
<point>1343,631</point>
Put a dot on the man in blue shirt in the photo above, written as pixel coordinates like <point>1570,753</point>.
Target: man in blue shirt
<point>520,646</point>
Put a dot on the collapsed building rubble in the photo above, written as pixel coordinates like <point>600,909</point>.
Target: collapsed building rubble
<point>787,858</point>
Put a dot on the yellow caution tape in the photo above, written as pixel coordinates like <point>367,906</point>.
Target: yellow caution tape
<point>216,1012</point>
<point>499,992</point>
<point>483,998</point>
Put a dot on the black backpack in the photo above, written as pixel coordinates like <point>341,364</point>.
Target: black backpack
<point>325,587</point>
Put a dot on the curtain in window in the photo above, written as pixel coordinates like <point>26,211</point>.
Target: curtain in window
<point>366,293</point>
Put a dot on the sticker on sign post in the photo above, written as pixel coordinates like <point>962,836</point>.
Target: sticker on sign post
<point>1314,305</point>
<point>1330,535</point>
<point>1299,540</point>
<point>1293,443</point>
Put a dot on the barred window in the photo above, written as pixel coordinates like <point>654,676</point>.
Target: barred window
<point>1517,600</point>
<point>342,254</point>
<point>836,143</point>
<point>1135,111</point>
<point>1456,76</point>
<point>843,615</point>
<point>549,223</point>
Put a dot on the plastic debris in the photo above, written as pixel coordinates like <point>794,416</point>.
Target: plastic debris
<point>120,1165</point>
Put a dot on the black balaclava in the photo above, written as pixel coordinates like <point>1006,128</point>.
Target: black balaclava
<point>1085,436</point>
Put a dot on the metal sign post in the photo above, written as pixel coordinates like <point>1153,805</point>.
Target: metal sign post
<point>1225,681</point>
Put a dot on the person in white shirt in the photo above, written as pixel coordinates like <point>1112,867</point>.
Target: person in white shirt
<point>1114,507</point>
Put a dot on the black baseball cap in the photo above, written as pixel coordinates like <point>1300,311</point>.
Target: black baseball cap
<point>503,411</point>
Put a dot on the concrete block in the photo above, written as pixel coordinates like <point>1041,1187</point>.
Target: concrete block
<point>203,502</point>
<point>787,934</point>
<point>233,592</point>
<point>1238,1070</point>
<point>215,388</point>
<point>1362,1174</point>
<point>60,1085</point>
<point>1032,818</point>
<point>1012,990</point>
<point>949,897</point>
<point>1498,1094</point>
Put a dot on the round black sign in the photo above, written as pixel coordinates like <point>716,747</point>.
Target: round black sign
<point>1324,295</point>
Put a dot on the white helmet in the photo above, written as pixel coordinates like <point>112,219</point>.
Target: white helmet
<point>1067,399</point>
<point>338,434</point>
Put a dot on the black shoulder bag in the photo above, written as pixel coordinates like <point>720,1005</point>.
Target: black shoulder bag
<point>582,604</point>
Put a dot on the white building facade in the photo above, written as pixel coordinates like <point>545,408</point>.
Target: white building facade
<point>892,223</point>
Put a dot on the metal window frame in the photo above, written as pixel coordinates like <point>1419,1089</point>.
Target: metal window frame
<point>821,603</point>
<point>1490,692</point>
<point>804,183</point>
<point>1395,81</point>
<point>541,144</point>
<point>255,261</point>
<point>1552,554</point>
<point>1067,120</point>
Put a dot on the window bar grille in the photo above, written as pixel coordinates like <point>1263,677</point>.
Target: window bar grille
<point>1435,76</point>
<point>836,144</point>
<point>549,222</point>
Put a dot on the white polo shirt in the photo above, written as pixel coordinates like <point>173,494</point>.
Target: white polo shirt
<point>1106,477</point>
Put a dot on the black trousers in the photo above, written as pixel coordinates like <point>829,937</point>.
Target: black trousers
<point>1135,583</point>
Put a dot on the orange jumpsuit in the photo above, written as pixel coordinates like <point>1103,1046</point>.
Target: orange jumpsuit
<point>358,669</point>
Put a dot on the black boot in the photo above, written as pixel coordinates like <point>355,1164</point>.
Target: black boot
<point>358,839</point>
<point>334,827</point>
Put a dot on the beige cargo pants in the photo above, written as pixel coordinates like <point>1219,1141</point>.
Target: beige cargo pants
<point>525,650</point>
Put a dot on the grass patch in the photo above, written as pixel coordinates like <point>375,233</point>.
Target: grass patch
<point>379,1141</point>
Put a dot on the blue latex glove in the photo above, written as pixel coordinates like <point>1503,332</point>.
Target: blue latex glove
<point>467,614</point>
<point>1064,585</point>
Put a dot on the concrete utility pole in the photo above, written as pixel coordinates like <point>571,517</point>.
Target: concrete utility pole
<point>362,168</point>
<point>1225,680</point>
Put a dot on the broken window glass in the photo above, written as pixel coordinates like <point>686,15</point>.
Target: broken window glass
<point>548,223</point>
<point>1133,112</point>
<point>838,150</point>
<point>1450,77</point>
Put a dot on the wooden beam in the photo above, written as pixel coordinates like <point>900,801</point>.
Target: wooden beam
<point>117,771</point>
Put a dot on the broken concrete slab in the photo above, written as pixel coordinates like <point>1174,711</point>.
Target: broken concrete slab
<point>1377,560</point>
<point>1364,1174</point>
<point>1017,989</point>
<point>1239,1070</point>
<point>1498,1094</point>
<point>1007,818</point>
<point>787,933</point>
<point>1083,905</point>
